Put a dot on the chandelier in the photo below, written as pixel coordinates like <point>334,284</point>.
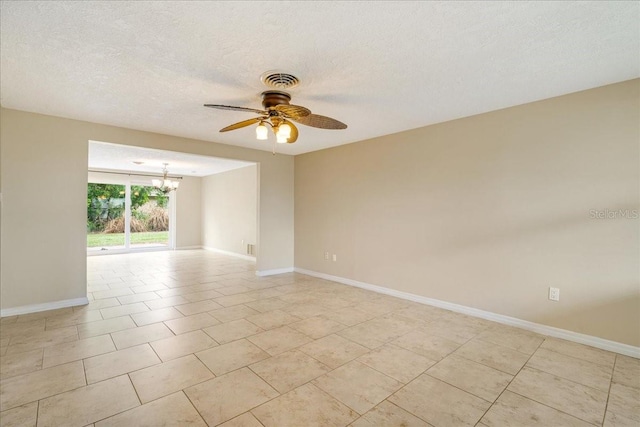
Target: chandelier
<point>165,184</point>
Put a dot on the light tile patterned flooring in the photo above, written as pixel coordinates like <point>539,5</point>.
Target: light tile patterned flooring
<point>195,338</point>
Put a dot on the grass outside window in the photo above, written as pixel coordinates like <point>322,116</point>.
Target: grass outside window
<point>117,239</point>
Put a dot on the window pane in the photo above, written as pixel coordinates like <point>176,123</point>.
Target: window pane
<point>105,216</point>
<point>149,217</point>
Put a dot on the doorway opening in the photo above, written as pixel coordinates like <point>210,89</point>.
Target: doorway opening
<point>215,206</point>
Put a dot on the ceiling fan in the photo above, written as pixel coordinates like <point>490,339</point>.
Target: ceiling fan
<point>278,114</point>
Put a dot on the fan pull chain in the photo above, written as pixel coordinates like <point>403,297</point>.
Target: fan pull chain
<point>274,147</point>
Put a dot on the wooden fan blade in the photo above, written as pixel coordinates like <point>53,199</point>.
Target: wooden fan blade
<point>294,132</point>
<point>318,121</point>
<point>292,111</point>
<point>242,124</point>
<point>232,108</point>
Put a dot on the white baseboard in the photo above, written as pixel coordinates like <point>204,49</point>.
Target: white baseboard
<point>187,248</point>
<point>590,340</point>
<point>34,308</point>
<point>263,273</point>
<point>233,254</point>
<point>250,258</point>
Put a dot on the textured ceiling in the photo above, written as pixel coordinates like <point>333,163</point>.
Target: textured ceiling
<point>108,156</point>
<point>380,67</point>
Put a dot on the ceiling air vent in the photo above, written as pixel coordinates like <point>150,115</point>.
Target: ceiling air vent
<point>279,80</point>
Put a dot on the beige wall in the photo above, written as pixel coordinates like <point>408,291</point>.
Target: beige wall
<point>44,175</point>
<point>44,185</point>
<point>188,213</point>
<point>229,209</point>
<point>489,211</point>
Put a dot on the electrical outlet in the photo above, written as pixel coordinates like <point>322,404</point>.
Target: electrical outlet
<point>335,257</point>
<point>326,256</point>
<point>554,294</point>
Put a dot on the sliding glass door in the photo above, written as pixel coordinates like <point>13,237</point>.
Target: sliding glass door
<point>105,216</point>
<point>130,216</point>
<point>149,225</point>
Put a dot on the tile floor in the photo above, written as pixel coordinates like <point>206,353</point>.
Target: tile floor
<point>195,338</point>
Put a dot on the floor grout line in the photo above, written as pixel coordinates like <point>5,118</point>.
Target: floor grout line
<point>606,406</point>
<point>507,386</point>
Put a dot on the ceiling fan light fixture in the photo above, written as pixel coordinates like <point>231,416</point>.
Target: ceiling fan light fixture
<point>279,115</point>
<point>285,130</point>
<point>262,132</point>
<point>280,137</point>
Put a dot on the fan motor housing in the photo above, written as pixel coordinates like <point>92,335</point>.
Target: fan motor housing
<point>271,98</point>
